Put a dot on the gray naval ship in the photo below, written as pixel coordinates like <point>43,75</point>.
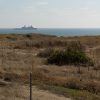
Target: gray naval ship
<point>26,28</point>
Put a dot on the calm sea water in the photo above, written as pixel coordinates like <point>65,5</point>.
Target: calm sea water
<point>55,31</point>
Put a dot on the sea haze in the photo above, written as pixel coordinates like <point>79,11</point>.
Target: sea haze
<point>56,31</point>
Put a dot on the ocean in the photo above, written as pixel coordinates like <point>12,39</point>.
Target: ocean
<point>56,31</point>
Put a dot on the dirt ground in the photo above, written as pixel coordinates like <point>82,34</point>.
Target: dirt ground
<point>21,92</point>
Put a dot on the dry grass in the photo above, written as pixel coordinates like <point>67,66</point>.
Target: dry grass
<point>18,54</point>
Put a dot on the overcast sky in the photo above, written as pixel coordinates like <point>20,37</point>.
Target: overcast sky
<point>50,13</point>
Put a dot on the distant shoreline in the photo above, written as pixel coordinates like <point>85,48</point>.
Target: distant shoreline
<point>46,35</point>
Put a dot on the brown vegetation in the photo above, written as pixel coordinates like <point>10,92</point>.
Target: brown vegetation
<point>20,54</point>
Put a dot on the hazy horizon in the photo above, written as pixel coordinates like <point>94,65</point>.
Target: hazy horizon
<point>50,13</point>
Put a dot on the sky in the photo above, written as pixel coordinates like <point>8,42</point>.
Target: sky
<point>50,13</point>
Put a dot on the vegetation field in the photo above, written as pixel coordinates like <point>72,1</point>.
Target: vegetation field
<point>63,68</point>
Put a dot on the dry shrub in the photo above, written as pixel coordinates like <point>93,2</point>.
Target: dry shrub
<point>74,83</point>
<point>1,72</point>
<point>92,86</point>
<point>3,83</point>
<point>41,75</point>
<point>69,82</point>
<point>46,53</point>
<point>57,43</point>
<point>56,80</point>
<point>12,56</point>
<point>75,45</point>
<point>40,43</point>
<point>27,44</point>
<point>97,68</point>
<point>10,76</point>
<point>38,75</point>
<point>97,52</point>
<point>11,38</point>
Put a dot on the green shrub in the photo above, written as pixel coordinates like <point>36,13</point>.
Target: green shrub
<point>73,57</point>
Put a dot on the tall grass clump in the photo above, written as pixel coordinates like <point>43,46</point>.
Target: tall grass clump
<point>46,53</point>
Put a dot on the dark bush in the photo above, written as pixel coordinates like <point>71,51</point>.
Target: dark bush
<point>74,55</point>
<point>28,35</point>
<point>69,57</point>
